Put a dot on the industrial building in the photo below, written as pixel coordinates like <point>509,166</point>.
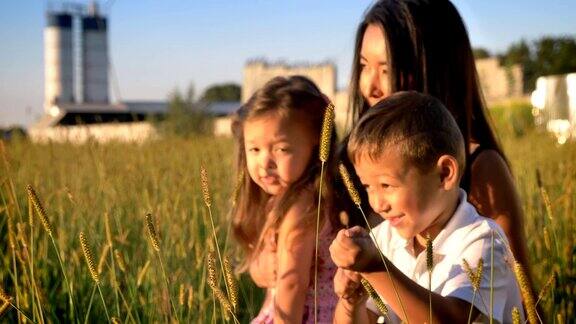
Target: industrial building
<point>77,105</point>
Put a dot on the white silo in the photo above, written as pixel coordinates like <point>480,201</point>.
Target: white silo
<point>58,60</point>
<point>95,57</point>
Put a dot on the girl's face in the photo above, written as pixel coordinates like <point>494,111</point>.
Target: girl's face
<point>278,149</point>
<point>374,82</point>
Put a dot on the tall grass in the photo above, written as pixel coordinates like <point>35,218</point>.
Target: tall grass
<point>80,184</point>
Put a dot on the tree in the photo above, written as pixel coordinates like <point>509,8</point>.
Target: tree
<point>222,92</point>
<point>546,56</point>
<point>185,117</point>
<point>481,53</point>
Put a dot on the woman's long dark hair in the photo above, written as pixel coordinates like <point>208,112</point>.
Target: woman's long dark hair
<point>429,51</point>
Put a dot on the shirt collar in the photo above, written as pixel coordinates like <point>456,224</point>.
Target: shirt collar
<point>464,215</point>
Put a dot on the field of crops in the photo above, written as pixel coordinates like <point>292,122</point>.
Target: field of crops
<point>105,191</point>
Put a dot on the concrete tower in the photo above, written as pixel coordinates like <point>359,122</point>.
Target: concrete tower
<point>95,57</point>
<point>58,60</point>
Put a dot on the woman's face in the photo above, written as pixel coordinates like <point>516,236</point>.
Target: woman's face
<point>374,82</point>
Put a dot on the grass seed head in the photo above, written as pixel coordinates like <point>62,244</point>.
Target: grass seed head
<point>372,294</point>
<point>549,283</point>
<point>204,184</point>
<point>429,253</point>
<point>152,232</point>
<point>4,307</point>
<point>231,281</point>
<point>4,297</point>
<point>349,184</point>
<point>326,134</point>
<point>33,197</point>
<point>526,293</point>
<point>190,296</point>
<point>212,269</point>
<point>89,257</point>
<point>515,315</point>
<point>344,219</point>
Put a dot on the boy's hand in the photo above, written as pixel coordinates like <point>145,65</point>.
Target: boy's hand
<point>347,286</point>
<point>353,249</point>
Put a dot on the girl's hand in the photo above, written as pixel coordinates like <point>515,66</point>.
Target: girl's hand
<point>264,267</point>
<point>348,287</point>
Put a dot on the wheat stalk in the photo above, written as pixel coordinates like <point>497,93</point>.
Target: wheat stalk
<point>120,260</point>
<point>89,258</point>
<point>526,293</point>
<point>356,199</point>
<point>325,141</point>
<point>7,301</point>
<point>232,283</point>
<point>39,208</point>
<point>92,267</point>
<point>156,245</point>
<point>374,295</point>
<point>475,279</point>
<point>208,202</point>
<point>40,211</point>
<point>218,293</point>
<point>515,315</point>
<point>545,288</point>
<point>152,233</point>
<point>430,267</point>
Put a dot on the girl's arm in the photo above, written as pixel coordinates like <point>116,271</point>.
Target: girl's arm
<point>295,253</point>
<point>493,193</point>
<point>263,267</point>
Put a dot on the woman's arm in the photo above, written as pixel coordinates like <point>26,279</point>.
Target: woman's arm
<point>493,193</point>
<point>295,253</point>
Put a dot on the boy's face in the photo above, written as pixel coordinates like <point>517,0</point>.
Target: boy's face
<point>411,200</point>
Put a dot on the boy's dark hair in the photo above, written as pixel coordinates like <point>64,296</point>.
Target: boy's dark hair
<point>417,124</point>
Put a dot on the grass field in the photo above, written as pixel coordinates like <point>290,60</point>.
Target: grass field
<point>80,185</point>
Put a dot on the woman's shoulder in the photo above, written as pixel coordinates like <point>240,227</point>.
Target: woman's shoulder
<point>488,164</point>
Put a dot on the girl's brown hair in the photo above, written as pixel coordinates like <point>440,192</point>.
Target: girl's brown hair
<point>429,51</point>
<point>293,97</point>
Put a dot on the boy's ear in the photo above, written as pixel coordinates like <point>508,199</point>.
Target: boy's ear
<point>449,172</point>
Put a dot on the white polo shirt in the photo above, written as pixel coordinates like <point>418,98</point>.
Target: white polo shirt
<point>467,235</point>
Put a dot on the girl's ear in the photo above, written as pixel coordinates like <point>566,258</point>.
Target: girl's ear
<point>449,172</point>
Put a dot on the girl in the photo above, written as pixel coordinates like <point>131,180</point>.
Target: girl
<point>278,132</point>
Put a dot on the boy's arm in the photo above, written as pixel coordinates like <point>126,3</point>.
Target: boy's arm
<point>295,253</point>
<point>351,306</point>
<point>354,249</point>
<point>444,309</point>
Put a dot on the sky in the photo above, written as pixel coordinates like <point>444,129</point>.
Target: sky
<point>157,46</point>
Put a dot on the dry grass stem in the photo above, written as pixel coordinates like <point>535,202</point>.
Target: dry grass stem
<point>89,258</point>
<point>120,260</point>
<point>354,195</point>
<point>39,208</point>
<point>142,273</point>
<point>103,256</point>
<point>152,232</point>
<point>326,134</point>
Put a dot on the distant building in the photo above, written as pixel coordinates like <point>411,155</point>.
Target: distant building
<point>76,87</point>
<point>554,101</point>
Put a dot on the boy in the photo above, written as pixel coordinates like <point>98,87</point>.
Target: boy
<point>409,155</point>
